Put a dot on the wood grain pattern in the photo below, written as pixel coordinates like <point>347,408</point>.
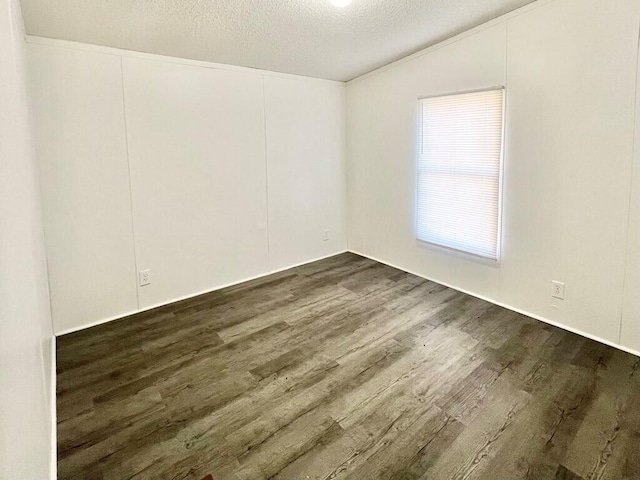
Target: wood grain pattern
<point>343,368</point>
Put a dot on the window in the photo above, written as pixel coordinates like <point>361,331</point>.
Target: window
<point>459,171</point>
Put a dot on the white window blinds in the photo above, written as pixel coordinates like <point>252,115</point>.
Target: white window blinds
<point>459,171</point>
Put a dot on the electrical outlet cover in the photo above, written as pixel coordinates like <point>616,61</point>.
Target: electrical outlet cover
<point>557,290</point>
<point>144,277</point>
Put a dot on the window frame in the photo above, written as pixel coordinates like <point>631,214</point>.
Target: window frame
<point>419,132</point>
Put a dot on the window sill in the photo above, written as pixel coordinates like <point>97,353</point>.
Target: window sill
<point>495,263</point>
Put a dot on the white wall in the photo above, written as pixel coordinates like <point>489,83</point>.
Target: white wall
<point>196,149</point>
<point>382,113</point>
<point>630,333</point>
<point>235,172</point>
<point>205,174</point>
<point>306,173</point>
<point>569,68</point>
<point>82,156</point>
<point>26,440</point>
<point>570,135</point>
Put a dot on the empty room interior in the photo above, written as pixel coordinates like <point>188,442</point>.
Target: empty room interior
<point>320,239</point>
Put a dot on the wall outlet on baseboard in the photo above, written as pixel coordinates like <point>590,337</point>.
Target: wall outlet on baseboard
<point>144,277</point>
<point>326,235</point>
<point>557,290</point>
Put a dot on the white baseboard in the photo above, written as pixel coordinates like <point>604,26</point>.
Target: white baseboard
<point>53,468</point>
<point>473,294</point>
<point>509,307</point>
<point>186,297</point>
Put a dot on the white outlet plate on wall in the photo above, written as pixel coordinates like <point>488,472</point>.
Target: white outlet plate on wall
<point>144,277</point>
<point>557,290</point>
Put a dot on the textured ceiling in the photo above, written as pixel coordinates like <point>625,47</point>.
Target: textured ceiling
<point>305,37</point>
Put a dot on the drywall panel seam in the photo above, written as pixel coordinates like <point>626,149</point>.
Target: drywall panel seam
<point>192,295</point>
<point>461,36</point>
<point>634,146</point>
<point>505,140</point>
<point>345,166</point>
<point>52,42</point>
<point>266,168</point>
<point>43,233</point>
<point>133,228</point>
<point>507,306</point>
<point>361,204</point>
<point>48,285</point>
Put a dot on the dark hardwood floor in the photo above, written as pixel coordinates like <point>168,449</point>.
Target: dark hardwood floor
<point>343,368</point>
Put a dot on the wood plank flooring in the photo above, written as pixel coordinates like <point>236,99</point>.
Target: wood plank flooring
<point>344,368</point>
